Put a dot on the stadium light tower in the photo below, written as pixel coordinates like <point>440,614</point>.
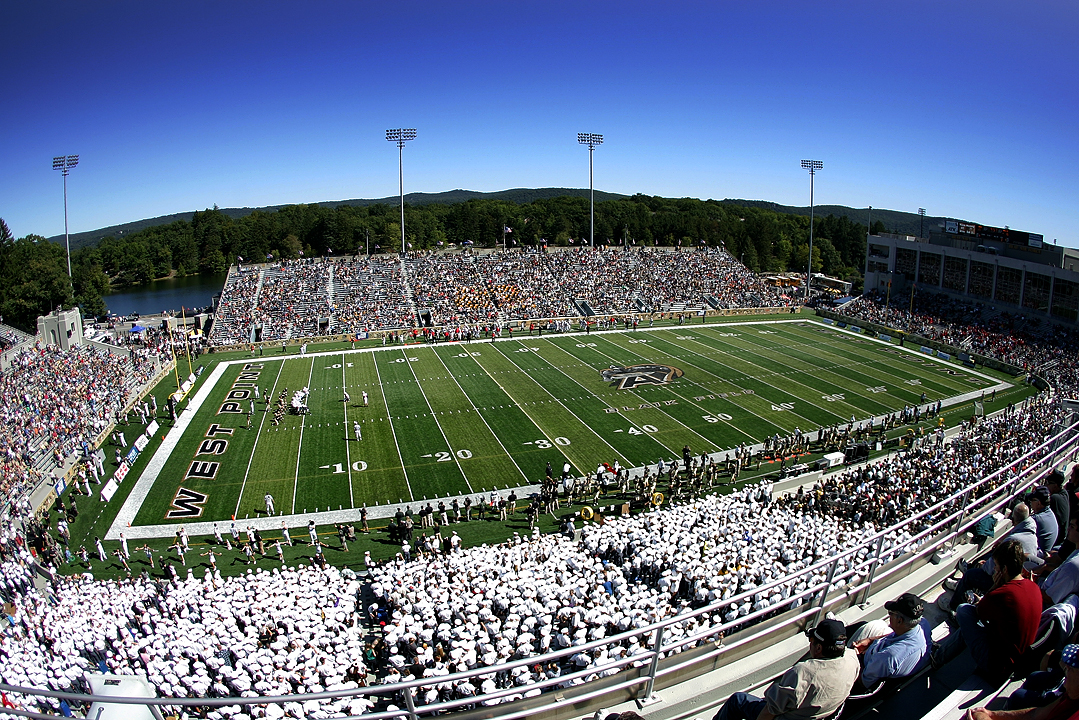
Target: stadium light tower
<point>401,136</point>
<point>921,221</point>
<point>64,163</point>
<point>812,166</point>
<point>591,140</point>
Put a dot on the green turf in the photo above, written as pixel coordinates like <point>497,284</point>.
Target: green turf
<point>468,418</point>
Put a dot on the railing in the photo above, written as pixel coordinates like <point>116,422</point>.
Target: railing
<point>945,522</point>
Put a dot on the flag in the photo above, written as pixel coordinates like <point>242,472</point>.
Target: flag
<point>507,229</point>
<point>979,409</point>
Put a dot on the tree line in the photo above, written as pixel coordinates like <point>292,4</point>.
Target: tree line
<point>33,273</point>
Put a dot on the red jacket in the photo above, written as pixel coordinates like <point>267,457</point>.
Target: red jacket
<point>1012,613</point>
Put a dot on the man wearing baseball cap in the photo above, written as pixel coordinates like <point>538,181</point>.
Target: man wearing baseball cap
<point>813,688</point>
<point>903,652</point>
<point>1063,708</point>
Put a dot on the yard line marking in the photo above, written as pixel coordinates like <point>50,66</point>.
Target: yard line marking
<point>481,418</point>
<point>262,422</point>
<point>636,395</point>
<point>393,432</point>
<point>858,412</point>
<point>554,399</point>
<point>674,391</point>
<point>779,391</point>
<point>618,411</point>
<point>533,420</point>
<point>776,357</point>
<point>299,443</point>
<point>456,460</point>
<point>348,455</point>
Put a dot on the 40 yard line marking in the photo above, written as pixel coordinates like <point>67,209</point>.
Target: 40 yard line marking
<point>581,363</point>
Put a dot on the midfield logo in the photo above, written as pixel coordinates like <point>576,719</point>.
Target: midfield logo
<point>627,378</point>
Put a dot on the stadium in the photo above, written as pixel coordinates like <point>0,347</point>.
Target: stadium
<point>483,483</point>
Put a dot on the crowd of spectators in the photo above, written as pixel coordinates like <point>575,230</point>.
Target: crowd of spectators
<point>306,629</point>
<point>1030,343</point>
<point>10,337</point>
<point>449,286</point>
<point>235,312</point>
<point>368,295</point>
<point>451,289</point>
<point>292,299</point>
<point>54,403</point>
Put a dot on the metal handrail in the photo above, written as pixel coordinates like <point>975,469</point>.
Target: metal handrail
<point>1029,468</point>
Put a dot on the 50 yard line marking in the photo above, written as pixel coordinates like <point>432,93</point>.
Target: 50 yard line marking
<point>240,497</point>
<point>299,447</point>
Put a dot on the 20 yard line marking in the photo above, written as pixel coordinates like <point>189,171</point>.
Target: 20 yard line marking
<point>469,398</point>
<point>456,460</point>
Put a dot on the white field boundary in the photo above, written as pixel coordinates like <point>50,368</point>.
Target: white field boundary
<point>153,468</point>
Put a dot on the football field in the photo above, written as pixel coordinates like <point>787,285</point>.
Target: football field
<point>461,418</point>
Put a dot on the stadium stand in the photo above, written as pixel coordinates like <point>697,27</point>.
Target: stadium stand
<point>55,402</point>
<point>452,289</point>
<point>489,625</point>
<point>595,612</point>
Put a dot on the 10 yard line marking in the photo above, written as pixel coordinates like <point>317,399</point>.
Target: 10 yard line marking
<point>240,497</point>
<point>299,446</point>
<point>348,455</point>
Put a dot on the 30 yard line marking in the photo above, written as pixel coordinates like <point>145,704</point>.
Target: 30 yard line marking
<point>393,432</point>
<point>240,497</point>
<point>299,446</point>
<point>583,423</point>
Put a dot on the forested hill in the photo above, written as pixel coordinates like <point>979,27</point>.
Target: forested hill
<point>896,221</point>
<point>519,196</point>
<point>765,236</point>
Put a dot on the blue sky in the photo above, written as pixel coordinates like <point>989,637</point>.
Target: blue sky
<point>965,108</point>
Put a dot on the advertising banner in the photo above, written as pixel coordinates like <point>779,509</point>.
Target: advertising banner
<point>109,490</point>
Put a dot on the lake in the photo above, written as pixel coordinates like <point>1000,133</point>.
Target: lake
<point>195,291</point>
